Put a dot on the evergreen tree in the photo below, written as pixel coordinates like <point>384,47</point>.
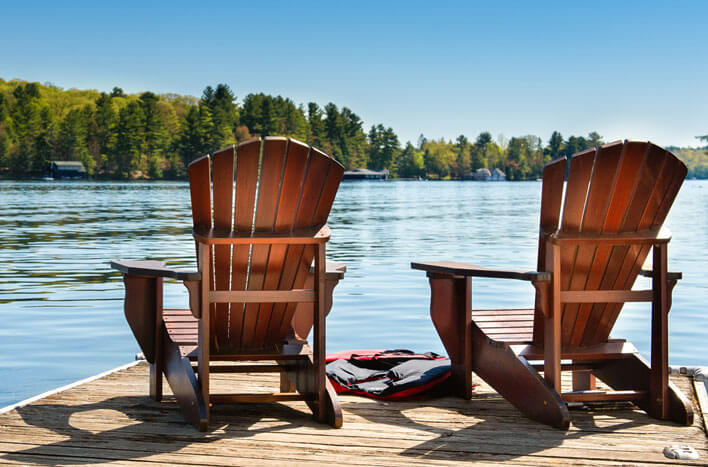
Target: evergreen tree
<point>479,154</point>
<point>594,140</point>
<point>317,127</point>
<point>5,131</point>
<point>191,143</point>
<point>409,163</point>
<point>155,136</point>
<point>383,147</point>
<point>25,116</point>
<point>574,145</point>
<point>517,164</point>
<point>224,116</point>
<point>294,122</point>
<point>130,141</point>
<point>269,119</point>
<point>251,114</point>
<point>555,146</point>
<point>104,134</point>
<point>154,128</point>
<point>463,163</point>
<point>353,140</point>
<point>44,143</point>
<point>72,139</point>
<point>334,134</point>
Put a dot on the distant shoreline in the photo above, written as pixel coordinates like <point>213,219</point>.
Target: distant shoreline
<point>100,180</point>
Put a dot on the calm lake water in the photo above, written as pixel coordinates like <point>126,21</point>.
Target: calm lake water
<point>61,305</point>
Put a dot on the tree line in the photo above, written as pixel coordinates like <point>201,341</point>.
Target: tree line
<point>147,135</point>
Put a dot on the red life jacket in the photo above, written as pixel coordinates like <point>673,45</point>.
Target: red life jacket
<point>386,374</point>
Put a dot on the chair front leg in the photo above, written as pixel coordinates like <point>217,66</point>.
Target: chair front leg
<point>451,312</point>
<point>552,321</point>
<point>143,311</point>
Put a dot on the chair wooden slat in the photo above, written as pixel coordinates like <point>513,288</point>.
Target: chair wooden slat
<point>624,258</point>
<point>581,166</point>
<point>629,192</point>
<point>278,270</point>
<point>312,190</point>
<point>329,190</point>
<point>601,185</point>
<point>223,180</point>
<point>271,174</point>
<point>668,174</point>
<point>551,201</point>
<point>247,159</point>
<point>200,192</point>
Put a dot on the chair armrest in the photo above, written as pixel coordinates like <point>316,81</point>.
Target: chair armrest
<point>672,276</point>
<point>471,270</point>
<point>154,269</point>
<point>334,271</point>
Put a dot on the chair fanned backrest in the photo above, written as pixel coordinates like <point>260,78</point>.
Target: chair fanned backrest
<point>279,185</point>
<point>617,188</point>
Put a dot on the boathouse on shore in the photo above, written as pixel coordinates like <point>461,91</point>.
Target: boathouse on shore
<point>365,174</point>
<point>67,170</point>
<point>486,175</point>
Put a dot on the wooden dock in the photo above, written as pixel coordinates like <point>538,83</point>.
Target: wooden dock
<point>112,420</point>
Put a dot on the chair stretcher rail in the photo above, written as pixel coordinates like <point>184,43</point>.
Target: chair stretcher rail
<point>645,237</point>
<point>216,237</point>
<point>262,296</point>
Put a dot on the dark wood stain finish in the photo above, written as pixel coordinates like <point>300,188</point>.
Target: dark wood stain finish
<point>257,233</point>
<point>616,200</point>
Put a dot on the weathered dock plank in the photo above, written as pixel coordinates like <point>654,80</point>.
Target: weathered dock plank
<point>111,420</point>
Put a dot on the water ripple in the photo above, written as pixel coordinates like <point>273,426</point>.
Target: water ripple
<point>61,304</point>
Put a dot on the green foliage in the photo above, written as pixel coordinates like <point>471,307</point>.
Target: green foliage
<point>71,143</point>
<point>480,151</point>
<point>266,115</point>
<point>317,126</point>
<point>192,140</point>
<point>555,145</point>
<point>128,158</point>
<point>342,136</point>
<point>383,147</point>
<point>463,160</point>
<point>695,159</point>
<point>438,158</point>
<point>148,135</point>
<point>410,163</point>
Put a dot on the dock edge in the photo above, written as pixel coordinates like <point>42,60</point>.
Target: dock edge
<point>22,403</point>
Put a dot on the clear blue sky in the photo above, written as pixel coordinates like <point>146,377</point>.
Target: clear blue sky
<point>625,69</point>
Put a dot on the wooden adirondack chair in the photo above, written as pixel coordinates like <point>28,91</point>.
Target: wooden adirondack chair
<point>616,200</point>
<point>255,247</point>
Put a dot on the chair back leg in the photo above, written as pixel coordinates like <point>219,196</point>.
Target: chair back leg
<point>659,378</point>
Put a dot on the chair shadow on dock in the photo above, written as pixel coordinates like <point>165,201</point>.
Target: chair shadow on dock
<point>487,428</point>
<point>66,428</point>
<point>127,428</point>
